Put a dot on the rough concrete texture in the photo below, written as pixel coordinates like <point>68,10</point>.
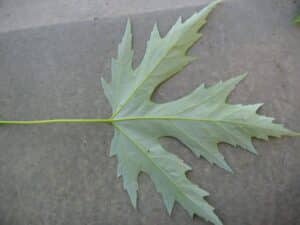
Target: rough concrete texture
<point>61,174</point>
<point>20,14</point>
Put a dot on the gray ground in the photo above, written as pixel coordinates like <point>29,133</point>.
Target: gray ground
<point>18,14</point>
<point>52,55</point>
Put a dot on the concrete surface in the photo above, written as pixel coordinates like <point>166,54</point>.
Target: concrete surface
<point>20,14</point>
<point>61,174</point>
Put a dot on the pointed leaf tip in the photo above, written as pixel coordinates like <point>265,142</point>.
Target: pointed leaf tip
<point>155,35</point>
<point>128,25</point>
<point>210,7</point>
<point>241,77</point>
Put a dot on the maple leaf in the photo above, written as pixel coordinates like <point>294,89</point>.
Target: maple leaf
<point>199,120</point>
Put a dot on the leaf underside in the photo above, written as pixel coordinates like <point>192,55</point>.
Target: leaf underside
<point>199,120</point>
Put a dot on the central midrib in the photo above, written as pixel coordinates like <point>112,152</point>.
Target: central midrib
<point>183,119</point>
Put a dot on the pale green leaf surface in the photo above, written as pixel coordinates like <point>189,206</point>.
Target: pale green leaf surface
<point>199,120</point>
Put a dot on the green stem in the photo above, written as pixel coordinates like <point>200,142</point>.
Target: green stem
<point>31,122</point>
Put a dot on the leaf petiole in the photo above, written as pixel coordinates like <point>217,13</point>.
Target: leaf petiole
<point>50,121</point>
